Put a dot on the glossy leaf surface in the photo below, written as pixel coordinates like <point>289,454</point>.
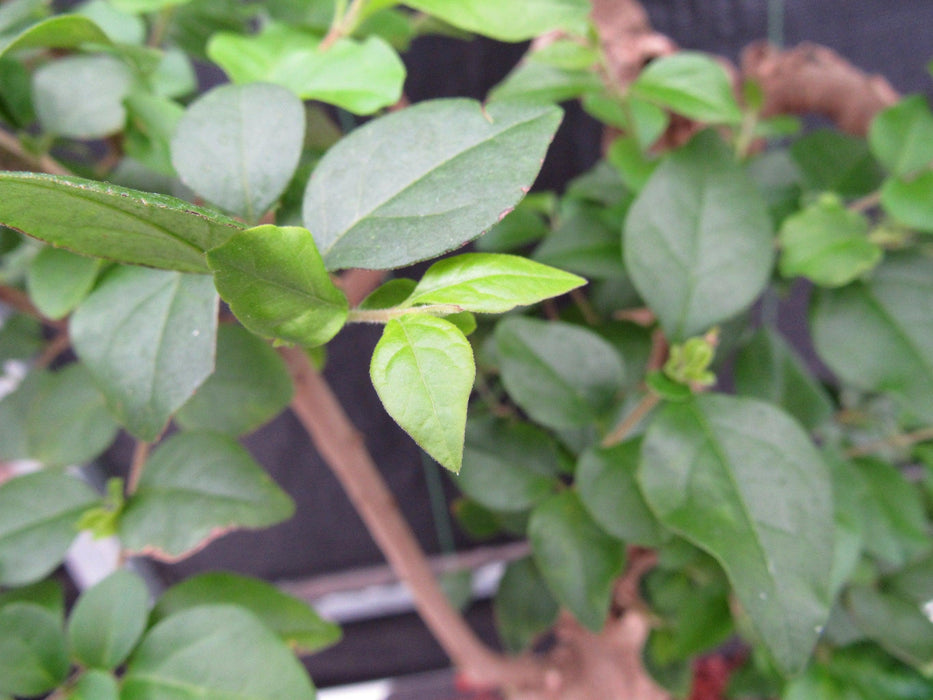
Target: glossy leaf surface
<point>195,488</point>
<point>148,338</point>
<point>403,187</point>
<point>740,479</point>
<point>423,371</point>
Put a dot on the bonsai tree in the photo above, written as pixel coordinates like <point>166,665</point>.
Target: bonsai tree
<point>771,519</point>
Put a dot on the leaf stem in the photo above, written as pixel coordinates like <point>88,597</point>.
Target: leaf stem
<point>386,315</point>
<point>631,421</point>
<point>344,23</point>
<point>43,163</point>
<point>899,440</point>
<point>869,201</point>
<point>140,455</point>
<point>59,344</point>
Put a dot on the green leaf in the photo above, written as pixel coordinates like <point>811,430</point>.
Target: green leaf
<point>275,282</point>
<point>698,239</point>
<point>834,162</point>
<point>521,226</point>
<point>877,336</point>
<point>901,137</point>
<point>508,466</point>
<point>152,121</point>
<point>238,146</point>
<point>216,651</point>
<point>640,120</point>
<point>579,562</point>
<point>391,293</point>
<point>507,21</point>
<point>249,387</point>
<point>524,607</point>
<point>148,338</point>
<point>901,627</point>
<point>359,76</point>
<point>119,27</point>
<point>95,684</point>
<point>608,490</point>
<point>112,222</point>
<point>66,107</point>
<point>540,82</point>
<point>827,243</point>
<point>740,479</point>
<point>583,243</point>
<point>59,280</point>
<point>56,418</point>
<point>63,32</point>
<point>38,514</point>
<point>108,620</point>
<point>910,201</point>
<point>33,659</point>
<point>566,53</point>
<point>291,619</point>
<point>423,371</point>
<point>491,283</point>
<point>767,368</point>
<point>633,164</point>
<point>197,487</point>
<point>16,108</point>
<point>563,376</point>
<point>421,196</point>
<point>47,594</point>
<point>692,84</point>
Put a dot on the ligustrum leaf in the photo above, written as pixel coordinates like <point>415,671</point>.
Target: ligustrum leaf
<point>423,371</point>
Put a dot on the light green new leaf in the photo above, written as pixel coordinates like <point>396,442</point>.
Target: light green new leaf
<point>108,620</point>
<point>66,107</point>
<point>423,371</point>
<point>119,27</point>
<point>152,121</point>
<point>698,239</point>
<point>878,335</point>
<point>563,376</point>
<point>38,514</point>
<point>404,187</point>
<point>291,619</point>
<point>910,201</point>
<point>63,32</point>
<point>359,76</point>
<point>214,651</point>
<point>249,387</point>
<point>508,21</point>
<point>33,658</point>
<point>148,338</point>
<point>58,280</point>
<point>112,222</point>
<point>827,244</point>
<point>275,282</point>
<point>901,137</point>
<point>95,684</point>
<point>140,6</point>
<point>524,607</point>
<point>491,283</point>
<point>692,84</point>
<point>741,480</point>
<point>578,561</point>
<point>238,146</point>
<point>197,487</point>
<point>767,368</point>
<point>544,83</point>
<point>58,418</point>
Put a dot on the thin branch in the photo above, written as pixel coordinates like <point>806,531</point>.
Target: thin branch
<point>19,301</point>
<point>55,347</point>
<point>44,163</point>
<point>900,441</point>
<point>869,201</point>
<point>140,455</point>
<point>631,421</point>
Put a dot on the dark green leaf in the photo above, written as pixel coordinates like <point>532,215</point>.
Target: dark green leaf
<point>216,651</point>
<point>108,620</point>
<point>901,137</point>
<point>291,619</point>
<point>507,466</point>
<point>38,514</point>
<point>606,483</point>
<point>95,684</point>
<point>64,32</point>
<point>59,280</point>
<point>540,82</point>
<point>249,387</point>
<point>878,336</point>
<point>392,293</point>
<point>563,376</point>
<point>152,121</point>
<point>112,222</point>
<point>836,162</point>
<point>33,659</point>
<point>359,76</point>
<point>56,418</point>
<point>238,146</point>
<point>827,243</point>
<point>148,338</point>
<point>16,106</point>
<point>423,371</point>
<point>47,594</point>
<point>583,243</point>
<point>275,282</point>
<point>421,196</point>
<point>692,84</point>
<point>910,201</point>
<point>740,479</point>
<point>521,226</point>
<point>20,338</point>
<point>524,607</point>
<point>490,283</point>
<point>508,21</point>
<point>698,240</point>
<point>195,488</point>
<point>579,562</point>
<point>900,626</point>
<point>633,164</point>
<point>767,368</point>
